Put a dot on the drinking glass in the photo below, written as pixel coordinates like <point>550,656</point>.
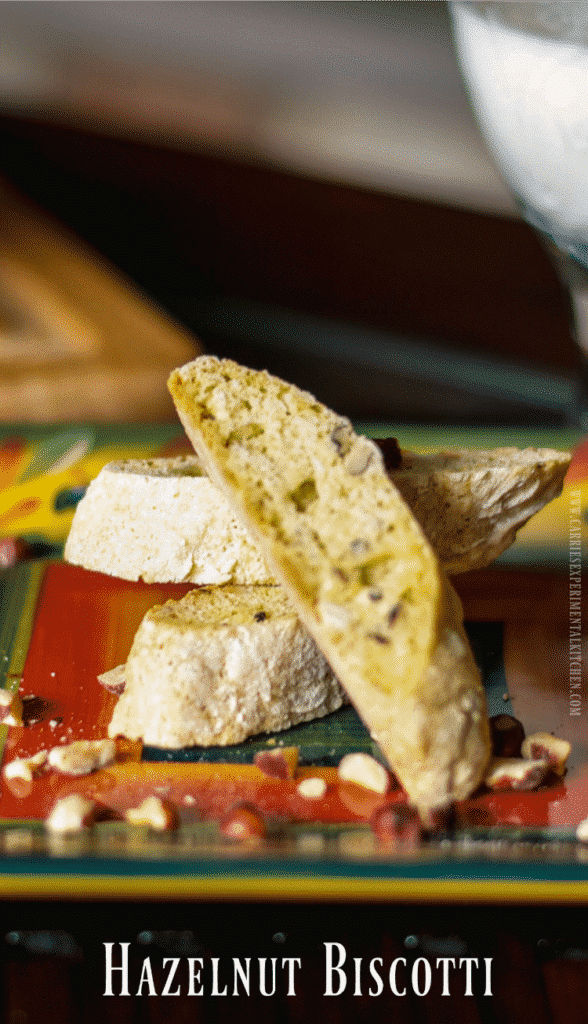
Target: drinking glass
<point>525,66</point>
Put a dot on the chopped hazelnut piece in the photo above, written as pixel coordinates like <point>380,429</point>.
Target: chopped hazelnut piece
<point>390,449</point>
<point>10,709</point>
<point>542,746</point>
<point>159,814</point>
<point>243,822</point>
<point>396,823</point>
<point>280,763</point>
<point>507,735</point>
<point>114,680</point>
<point>359,457</point>
<point>13,550</point>
<point>25,767</point>
<point>71,814</point>
<point>313,788</point>
<point>365,771</point>
<point>515,773</point>
<point>82,756</point>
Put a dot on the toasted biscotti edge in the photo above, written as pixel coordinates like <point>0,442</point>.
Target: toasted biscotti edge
<point>336,532</point>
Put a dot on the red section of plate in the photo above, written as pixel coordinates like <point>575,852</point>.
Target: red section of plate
<point>84,625</point>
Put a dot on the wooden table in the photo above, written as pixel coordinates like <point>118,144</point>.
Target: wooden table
<point>77,340</point>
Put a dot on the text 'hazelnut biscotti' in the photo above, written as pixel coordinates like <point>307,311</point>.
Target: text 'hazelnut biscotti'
<point>355,563</point>
<point>219,665</point>
<point>163,521</point>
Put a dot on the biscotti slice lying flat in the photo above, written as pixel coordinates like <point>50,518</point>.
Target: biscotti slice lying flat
<point>357,566</point>
<point>470,504</point>
<point>163,520</point>
<point>219,665</point>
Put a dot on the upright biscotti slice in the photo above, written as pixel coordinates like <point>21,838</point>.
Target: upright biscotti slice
<point>163,521</point>
<point>358,568</point>
<point>219,665</point>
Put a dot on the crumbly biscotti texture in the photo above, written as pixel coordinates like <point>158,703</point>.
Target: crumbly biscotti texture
<point>219,665</point>
<point>470,504</point>
<point>355,563</point>
<point>162,521</point>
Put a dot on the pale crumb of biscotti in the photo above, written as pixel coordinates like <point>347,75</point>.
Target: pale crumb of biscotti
<point>11,709</point>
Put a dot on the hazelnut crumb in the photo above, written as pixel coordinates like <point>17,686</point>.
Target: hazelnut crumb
<point>153,811</point>
<point>71,814</point>
<point>365,771</point>
<point>313,788</point>
<point>82,756</point>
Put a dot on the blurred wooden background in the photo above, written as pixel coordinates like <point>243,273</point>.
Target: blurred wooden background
<point>192,229</point>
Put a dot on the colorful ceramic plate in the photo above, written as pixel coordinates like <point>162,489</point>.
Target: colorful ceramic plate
<point>60,626</point>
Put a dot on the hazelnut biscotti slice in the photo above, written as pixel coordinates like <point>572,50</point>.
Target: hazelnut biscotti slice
<point>357,566</point>
<point>470,504</point>
<point>217,666</point>
<point>163,521</point>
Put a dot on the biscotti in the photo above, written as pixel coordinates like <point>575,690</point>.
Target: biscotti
<point>470,504</point>
<point>219,665</point>
<point>355,563</point>
<point>163,520</point>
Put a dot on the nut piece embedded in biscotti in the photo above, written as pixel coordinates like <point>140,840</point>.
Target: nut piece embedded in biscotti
<point>10,709</point>
<point>219,665</point>
<point>279,763</point>
<point>542,746</point>
<point>82,756</point>
<point>507,735</point>
<point>25,767</point>
<point>515,773</point>
<point>307,488</point>
<point>365,771</point>
<point>159,814</point>
<point>71,814</point>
